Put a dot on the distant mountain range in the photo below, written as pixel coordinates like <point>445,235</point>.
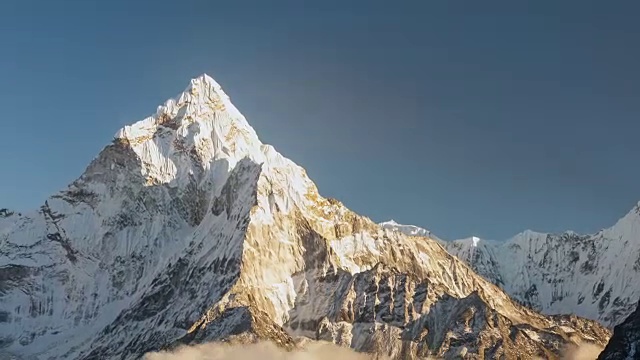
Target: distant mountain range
<point>595,276</point>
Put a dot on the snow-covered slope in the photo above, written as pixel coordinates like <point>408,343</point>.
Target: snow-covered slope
<point>595,276</point>
<point>481,253</point>
<point>187,228</point>
<point>410,230</point>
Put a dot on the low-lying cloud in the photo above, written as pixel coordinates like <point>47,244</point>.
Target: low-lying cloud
<point>584,351</point>
<point>312,351</point>
<point>262,351</point>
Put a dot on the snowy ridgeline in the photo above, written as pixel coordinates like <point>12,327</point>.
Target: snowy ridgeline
<point>596,276</point>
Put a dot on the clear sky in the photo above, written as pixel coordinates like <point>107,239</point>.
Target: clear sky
<point>466,117</point>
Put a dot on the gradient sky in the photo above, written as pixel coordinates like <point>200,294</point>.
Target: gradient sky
<point>465,117</point>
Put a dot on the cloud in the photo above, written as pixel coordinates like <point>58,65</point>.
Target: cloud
<point>311,351</point>
<point>585,351</point>
<point>262,351</point>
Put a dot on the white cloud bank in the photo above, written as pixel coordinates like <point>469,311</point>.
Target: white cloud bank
<point>312,351</point>
<point>261,351</point>
<point>585,351</point>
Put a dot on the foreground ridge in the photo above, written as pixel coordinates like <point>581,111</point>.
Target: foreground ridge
<point>188,229</point>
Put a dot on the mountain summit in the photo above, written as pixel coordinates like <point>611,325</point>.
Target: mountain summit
<point>406,229</point>
<point>188,229</point>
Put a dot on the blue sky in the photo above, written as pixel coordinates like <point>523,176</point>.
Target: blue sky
<point>481,118</point>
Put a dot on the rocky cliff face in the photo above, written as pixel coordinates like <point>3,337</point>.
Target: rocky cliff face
<point>188,229</point>
<point>625,342</point>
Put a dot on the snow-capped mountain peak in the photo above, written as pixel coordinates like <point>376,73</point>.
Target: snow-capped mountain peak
<point>471,241</point>
<point>188,229</point>
<point>390,223</point>
<point>201,120</point>
<point>410,230</point>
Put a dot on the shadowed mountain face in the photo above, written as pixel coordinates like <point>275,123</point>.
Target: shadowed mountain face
<point>188,229</point>
<point>625,342</point>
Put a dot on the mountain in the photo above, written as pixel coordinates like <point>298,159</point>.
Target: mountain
<point>594,276</point>
<point>481,255</point>
<point>187,229</point>
<point>625,342</point>
<point>410,230</point>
